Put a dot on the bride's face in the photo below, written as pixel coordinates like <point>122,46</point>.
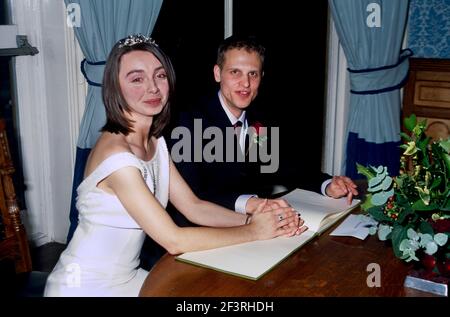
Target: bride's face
<point>143,82</point>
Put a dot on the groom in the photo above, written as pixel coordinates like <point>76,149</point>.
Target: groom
<point>240,185</point>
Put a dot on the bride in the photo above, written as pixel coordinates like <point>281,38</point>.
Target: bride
<point>129,179</point>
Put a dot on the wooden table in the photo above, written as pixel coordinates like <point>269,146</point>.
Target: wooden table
<point>326,266</point>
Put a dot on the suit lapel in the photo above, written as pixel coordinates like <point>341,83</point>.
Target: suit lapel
<point>215,114</point>
<point>248,142</point>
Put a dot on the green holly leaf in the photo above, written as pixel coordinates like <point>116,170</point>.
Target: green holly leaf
<point>399,233</point>
<point>422,145</point>
<point>377,213</point>
<point>446,158</point>
<point>407,210</point>
<point>445,144</point>
<point>436,182</point>
<point>426,228</point>
<point>364,171</point>
<point>367,203</point>
<point>419,128</point>
<point>405,136</point>
<point>399,180</point>
<point>410,122</point>
<point>446,207</point>
<point>411,148</point>
<point>424,194</point>
<point>420,205</point>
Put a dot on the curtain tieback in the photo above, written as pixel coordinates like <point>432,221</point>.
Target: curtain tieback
<point>381,79</point>
<point>93,72</point>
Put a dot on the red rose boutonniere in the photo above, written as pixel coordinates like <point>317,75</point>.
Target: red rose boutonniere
<point>259,133</point>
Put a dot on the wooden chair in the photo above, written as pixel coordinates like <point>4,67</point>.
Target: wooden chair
<point>13,240</point>
<point>16,275</point>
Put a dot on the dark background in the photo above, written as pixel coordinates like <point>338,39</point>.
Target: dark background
<point>292,93</point>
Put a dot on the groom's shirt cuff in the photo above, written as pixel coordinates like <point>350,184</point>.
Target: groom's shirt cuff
<point>241,202</point>
<point>324,187</point>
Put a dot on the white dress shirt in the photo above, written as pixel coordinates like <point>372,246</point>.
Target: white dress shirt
<point>233,120</point>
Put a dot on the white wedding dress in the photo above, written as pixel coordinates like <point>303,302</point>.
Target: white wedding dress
<point>102,258</point>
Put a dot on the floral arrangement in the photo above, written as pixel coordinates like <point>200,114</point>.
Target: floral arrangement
<point>413,209</point>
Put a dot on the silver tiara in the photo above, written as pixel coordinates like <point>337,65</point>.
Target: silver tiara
<point>134,39</point>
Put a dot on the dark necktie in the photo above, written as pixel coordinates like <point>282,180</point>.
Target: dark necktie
<point>237,130</point>
<point>237,124</point>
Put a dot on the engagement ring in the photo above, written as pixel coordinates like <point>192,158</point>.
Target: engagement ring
<point>280,217</point>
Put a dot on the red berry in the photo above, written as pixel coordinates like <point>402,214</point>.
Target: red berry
<point>447,266</point>
<point>429,261</point>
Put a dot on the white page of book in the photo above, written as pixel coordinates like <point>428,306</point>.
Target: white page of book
<point>251,259</point>
<point>314,207</point>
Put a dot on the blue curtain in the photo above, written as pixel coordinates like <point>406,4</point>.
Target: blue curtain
<point>103,23</point>
<point>371,34</point>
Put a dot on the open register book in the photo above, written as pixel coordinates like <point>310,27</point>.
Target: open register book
<point>253,259</point>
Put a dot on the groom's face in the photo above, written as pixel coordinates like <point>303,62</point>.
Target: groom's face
<point>239,78</point>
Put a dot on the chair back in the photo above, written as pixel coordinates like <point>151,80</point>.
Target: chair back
<point>13,239</point>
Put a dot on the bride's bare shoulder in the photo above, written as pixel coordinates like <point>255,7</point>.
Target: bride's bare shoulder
<point>107,145</point>
<point>110,143</point>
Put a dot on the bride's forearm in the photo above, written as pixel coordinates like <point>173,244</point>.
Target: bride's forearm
<point>209,214</point>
